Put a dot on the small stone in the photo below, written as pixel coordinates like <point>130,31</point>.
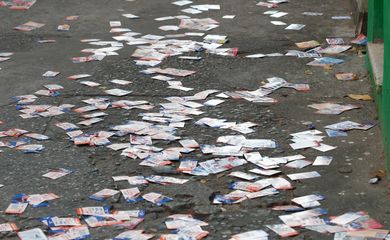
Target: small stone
<point>374,180</point>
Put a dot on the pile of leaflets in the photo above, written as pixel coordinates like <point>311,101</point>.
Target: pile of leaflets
<point>155,137</point>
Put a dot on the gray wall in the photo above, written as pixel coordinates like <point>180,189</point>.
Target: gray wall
<point>362,5</point>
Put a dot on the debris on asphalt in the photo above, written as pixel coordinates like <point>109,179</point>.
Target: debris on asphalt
<point>325,61</point>
<point>57,173</point>
<point>29,26</point>
<point>63,27</point>
<point>364,97</point>
<point>374,180</point>
<point>360,40</point>
<point>18,4</point>
<point>332,108</point>
<point>346,76</point>
<point>158,137</point>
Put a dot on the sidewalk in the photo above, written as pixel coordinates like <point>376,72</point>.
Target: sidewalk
<point>357,158</point>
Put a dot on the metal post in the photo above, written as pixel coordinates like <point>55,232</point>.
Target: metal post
<point>385,106</point>
<point>375,19</point>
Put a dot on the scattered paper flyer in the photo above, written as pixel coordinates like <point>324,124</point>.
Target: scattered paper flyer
<point>57,173</point>
<point>283,230</point>
<point>29,26</point>
<point>117,92</point>
<point>305,175</point>
<point>322,161</point>
<point>295,27</point>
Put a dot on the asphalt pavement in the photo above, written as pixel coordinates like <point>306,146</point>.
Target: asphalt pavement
<point>357,158</point>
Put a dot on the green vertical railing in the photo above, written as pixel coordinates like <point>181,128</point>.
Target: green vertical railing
<point>375,20</point>
<point>385,103</point>
<point>379,31</point>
